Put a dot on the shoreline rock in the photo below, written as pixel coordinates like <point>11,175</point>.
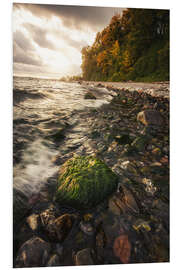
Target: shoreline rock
<point>132,215</point>
<point>84,182</point>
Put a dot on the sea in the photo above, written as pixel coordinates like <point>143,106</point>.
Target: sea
<point>41,106</point>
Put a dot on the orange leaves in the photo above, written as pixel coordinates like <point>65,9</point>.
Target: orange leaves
<point>103,60</point>
<point>115,49</point>
<point>122,248</point>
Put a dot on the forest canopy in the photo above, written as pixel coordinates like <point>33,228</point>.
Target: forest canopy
<point>134,46</point>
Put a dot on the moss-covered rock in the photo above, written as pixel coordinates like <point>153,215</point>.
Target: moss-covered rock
<point>84,182</point>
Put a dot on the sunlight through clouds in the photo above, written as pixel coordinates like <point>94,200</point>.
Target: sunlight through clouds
<point>50,38</point>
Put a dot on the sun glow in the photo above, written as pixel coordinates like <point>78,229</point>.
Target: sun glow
<point>49,45</point>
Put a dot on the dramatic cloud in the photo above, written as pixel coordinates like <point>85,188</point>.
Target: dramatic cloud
<point>22,41</point>
<point>48,39</point>
<point>79,17</point>
<point>23,50</point>
<point>77,44</point>
<point>39,36</point>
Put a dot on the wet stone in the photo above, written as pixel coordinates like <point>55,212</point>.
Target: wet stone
<point>48,215</point>
<point>54,261</point>
<point>86,227</point>
<point>33,221</point>
<point>59,228</point>
<point>125,197</point>
<point>84,257</point>
<point>122,248</point>
<point>33,253</point>
<point>150,117</point>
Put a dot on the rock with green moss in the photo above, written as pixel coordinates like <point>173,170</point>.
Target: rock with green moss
<point>84,182</point>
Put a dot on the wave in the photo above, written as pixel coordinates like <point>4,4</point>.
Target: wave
<point>21,95</point>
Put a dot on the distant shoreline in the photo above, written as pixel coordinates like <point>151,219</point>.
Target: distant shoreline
<point>153,88</point>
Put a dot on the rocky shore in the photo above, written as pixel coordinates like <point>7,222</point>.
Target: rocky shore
<point>109,203</point>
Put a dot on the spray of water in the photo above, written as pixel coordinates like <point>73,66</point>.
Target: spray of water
<point>36,168</point>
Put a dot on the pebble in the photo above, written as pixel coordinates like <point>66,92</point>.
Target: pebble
<point>84,257</point>
<point>32,221</point>
<point>86,227</point>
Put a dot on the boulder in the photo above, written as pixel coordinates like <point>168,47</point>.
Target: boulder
<point>33,253</point>
<point>84,182</point>
<point>150,117</point>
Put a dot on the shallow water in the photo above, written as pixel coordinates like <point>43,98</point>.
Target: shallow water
<point>41,107</point>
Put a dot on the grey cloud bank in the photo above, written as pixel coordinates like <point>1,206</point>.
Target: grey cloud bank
<point>75,18</point>
<point>78,17</point>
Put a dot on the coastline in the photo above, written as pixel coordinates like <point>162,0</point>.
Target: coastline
<point>153,88</point>
<point>139,210</point>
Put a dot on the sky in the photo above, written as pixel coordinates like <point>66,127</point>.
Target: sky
<point>47,39</point>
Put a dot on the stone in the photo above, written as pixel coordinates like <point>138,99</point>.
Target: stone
<point>33,253</point>
<point>48,215</point>
<point>84,182</point>
<point>87,228</point>
<point>89,95</point>
<point>125,200</point>
<point>113,207</point>
<point>123,139</point>
<point>150,117</point>
<point>59,228</point>
<point>20,206</point>
<point>122,248</point>
<point>59,250</point>
<point>54,261</point>
<point>140,143</point>
<point>84,257</point>
<point>141,224</point>
<point>33,221</point>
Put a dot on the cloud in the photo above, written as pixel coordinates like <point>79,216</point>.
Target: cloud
<point>23,50</point>
<point>39,36</point>
<point>27,68</point>
<point>22,41</point>
<point>70,41</point>
<point>79,17</point>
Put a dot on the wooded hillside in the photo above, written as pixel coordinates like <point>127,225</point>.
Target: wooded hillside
<point>134,46</point>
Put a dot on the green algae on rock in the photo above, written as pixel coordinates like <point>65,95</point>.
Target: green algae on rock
<point>84,182</point>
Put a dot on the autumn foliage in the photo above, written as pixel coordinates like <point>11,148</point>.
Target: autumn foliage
<point>134,46</point>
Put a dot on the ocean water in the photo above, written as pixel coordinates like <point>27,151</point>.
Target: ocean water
<point>41,107</point>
